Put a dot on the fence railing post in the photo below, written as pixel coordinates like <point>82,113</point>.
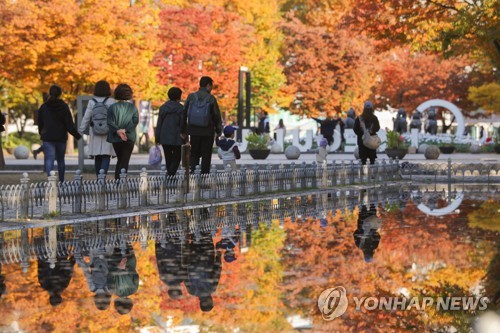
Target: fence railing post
<point>303,175</point>
<point>324,174</point>
<point>343,174</point>
<point>334,174</point>
<point>449,180</point>
<point>256,179</point>
<point>351,173</point>
<point>383,178</point>
<point>314,178</point>
<point>78,195</point>
<point>281,177</point>
<point>52,192</point>
<point>181,185</point>
<point>143,188</point>
<point>213,182</point>
<point>162,196</point>
<point>123,189</point>
<point>243,180</point>
<point>24,198</point>
<point>197,183</point>
<point>229,186</point>
<point>101,181</point>
<point>269,178</point>
<point>293,168</point>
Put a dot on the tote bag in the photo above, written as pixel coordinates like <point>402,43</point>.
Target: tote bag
<point>369,141</point>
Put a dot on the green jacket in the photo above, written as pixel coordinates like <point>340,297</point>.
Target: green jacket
<point>122,115</point>
<point>215,123</point>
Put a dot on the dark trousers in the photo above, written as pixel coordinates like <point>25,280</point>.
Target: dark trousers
<point>54,151</point>
<point>201,147</point>
<point>329,138</point>
<point>101,162</point>
<point>172,158</point>
<point>123,152</point>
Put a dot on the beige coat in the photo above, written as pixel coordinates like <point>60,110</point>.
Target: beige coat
<point>98,144</point>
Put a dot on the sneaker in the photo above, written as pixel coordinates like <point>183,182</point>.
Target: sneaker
<point>34,154</point>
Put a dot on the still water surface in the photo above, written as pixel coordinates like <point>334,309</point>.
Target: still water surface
<point>255,266</point>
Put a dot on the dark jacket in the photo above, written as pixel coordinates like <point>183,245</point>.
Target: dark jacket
<point>55,280</point>
<point>327,126</point>
<point>215,122</point>
<point>371,123</point>
<point>124,282</point>
<point>168,127</point>
<point>122,115</point>
<point>169,261</point>
<point>55,121</point>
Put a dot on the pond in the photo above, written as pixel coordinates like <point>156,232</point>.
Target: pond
<point>318,262</point>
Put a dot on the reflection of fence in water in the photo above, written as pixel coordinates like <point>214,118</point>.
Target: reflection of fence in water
<point>56,241</point>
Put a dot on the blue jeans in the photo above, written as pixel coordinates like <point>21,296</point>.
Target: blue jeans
<point>101,162</point>
<point>54,151</point>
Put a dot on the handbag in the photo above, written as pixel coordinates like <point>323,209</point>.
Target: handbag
<point>369,141</point>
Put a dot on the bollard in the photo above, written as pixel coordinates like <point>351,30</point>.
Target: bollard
<point>123,189</point>
<point>143,188</point>
<point>343,174</point>
<point>351,173</point>
<point>162,196</point>
<point>78,193</point>
<point>197,183</point>
<point>52,192</point>
<point>334,174</point>
<point>24,199</point>
<point>181,185</point>
<point>324,174</point>
<point>101,181</point>
<point>213,182</point>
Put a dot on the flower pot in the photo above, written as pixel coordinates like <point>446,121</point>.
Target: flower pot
<point>258,154</point>
<point>447,149</point>
<point>396,152</point>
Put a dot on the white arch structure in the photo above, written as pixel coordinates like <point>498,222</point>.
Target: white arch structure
<point>449,106</point>
<point>445,210</point>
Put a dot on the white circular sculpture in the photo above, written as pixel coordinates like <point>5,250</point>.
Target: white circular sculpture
<point>422,148</point>
<point>432,152</point>
<point>356,153</point>
<point>475,149</point>
<point>276,148</point>
<point>292,152</point>
<point>21,153</point>
<point>449,106</point>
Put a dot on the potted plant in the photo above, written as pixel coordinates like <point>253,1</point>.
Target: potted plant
<point>396,146</point>
<point>447,147</point>
<point>258,146</point>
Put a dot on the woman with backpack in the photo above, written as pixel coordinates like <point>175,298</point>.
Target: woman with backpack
<point>367,122</point>
<point>123,118</point>
<point>95,118</point>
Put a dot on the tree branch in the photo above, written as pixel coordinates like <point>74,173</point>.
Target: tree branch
<point>443,6</point>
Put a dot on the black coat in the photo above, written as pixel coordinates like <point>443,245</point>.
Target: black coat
<point>371,123</point>
<point>168,127</point>
<point>2,122</point>
<point>55,121</point>
<point>215,122</point>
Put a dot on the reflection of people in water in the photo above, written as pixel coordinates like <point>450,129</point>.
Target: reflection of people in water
<point>3,287</point>
<point>230,238</point>
<point>169,255</point>
<point>56,279</point>
<point>204,268</point>
<point>96,274</point>
<point>366,235</point>
<point>123,279</point>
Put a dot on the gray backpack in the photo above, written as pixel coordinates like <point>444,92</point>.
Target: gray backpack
<point>100,117</point>
<point>199,112</point>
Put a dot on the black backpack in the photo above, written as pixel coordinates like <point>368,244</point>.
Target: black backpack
<point>199,111</point>
<point>100,117</point>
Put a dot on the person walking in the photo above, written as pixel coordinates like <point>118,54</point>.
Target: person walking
<point>95,117</point>
<point>282,126</point>
<point>264,127</point>
<point>123,118</point>
<point>367,121</point>
<point>327,128</point>
<point>228,148</point>
<point>54,123</point>
<point>168,130</point>
<point>202,121</point>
